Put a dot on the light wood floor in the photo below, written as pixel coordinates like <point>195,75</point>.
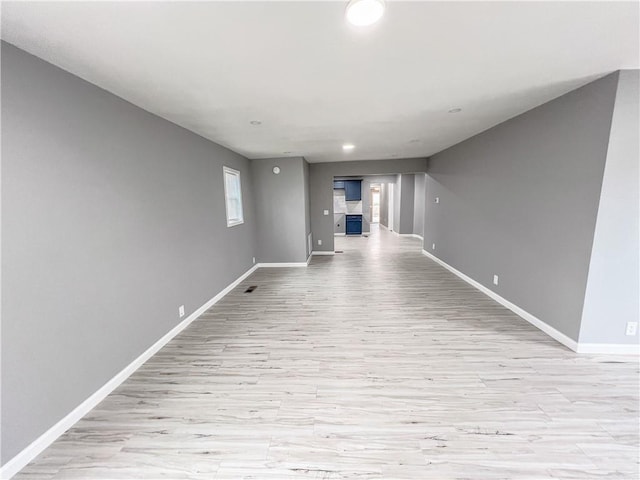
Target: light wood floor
<point>375,363</point>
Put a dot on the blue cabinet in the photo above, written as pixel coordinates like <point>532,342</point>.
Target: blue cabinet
<point>352,190</point>
<point>354,225</point>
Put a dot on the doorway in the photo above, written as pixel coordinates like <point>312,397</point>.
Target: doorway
<point>375,204</point>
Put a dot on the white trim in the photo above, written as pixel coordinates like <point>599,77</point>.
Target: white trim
<point>548,329</point>
<point>414,235</point>
<point>322,252</point>
<point>609,348</point>
<point>36,447</point>
<point>282,264</point>
<point>339,234</point>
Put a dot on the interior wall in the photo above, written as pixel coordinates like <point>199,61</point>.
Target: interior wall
<point>111,219</point>
<point>307,216</point>
<point>520,201</point>
<point>613,288</point>
<point>280,209</point>
<point>418,204</point>
<point>384,205</point>
<point>406,203</point>
<point>321,189</point>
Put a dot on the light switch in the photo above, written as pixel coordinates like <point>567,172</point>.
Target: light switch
<point>326,212</point>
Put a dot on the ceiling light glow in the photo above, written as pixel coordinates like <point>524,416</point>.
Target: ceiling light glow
<point>348,147</point>
<point>362,13</point>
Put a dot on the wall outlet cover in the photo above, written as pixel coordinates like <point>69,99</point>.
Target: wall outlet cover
<point>326,212</point>
<point>254,260</point>
<point>433,246</point>
<point>437,199</point>
<point>632,328</point>
<point>319,242</point>
<point>495,279</point>
<point>181,311</point>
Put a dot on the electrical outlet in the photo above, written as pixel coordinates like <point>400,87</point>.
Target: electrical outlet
<point>437,199</point>
<point>254,260</point>
<point>433,246</point>
<point>495,279</point>
<point>632,328</point>
<point>319,242</point>
<point>181,311</point>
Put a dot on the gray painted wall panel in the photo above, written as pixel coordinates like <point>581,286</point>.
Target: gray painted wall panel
<point>405,208</point>
<point>384,205</point>
<point>418,204</point>
<point>280,209</point>
<point>520,200</point>
<point>612,289</point>
<point>307,217</point>
<point>111,218</point>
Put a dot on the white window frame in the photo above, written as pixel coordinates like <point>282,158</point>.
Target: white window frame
<point>227,200</point>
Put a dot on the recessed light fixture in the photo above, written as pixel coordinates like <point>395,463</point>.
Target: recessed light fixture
<point>455,110</point>
<point>347,147</point>
<point>276,170</point>
<point>362,13</point>
<point>255,122</point>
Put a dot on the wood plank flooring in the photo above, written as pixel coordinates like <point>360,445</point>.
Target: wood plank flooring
<point>375,363</point>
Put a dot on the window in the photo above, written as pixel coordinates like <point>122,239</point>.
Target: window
<point>233,196</point>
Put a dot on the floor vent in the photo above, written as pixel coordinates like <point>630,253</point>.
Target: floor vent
<point>251,289</point>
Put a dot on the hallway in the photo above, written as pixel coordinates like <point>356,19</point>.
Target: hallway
<point>373,363</point>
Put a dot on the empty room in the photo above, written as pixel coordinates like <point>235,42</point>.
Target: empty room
<point>358,239</point>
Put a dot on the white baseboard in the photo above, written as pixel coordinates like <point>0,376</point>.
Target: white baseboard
<point>339,234</point>
<point>36,447</point>
<point>548,329</point>
<point>322,252</point>
<point>413,235</point>
<point>282,264</point>
<point>609,348</point>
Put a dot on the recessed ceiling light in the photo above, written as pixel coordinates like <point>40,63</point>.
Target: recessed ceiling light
<point>348,146</point>
<point>455,110</point>
<point>255,122</point>
<point>364,12</point>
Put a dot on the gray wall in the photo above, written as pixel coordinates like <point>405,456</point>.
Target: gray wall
<point>405,208</point>
<point>384,205</point>
<point>520,200</point>
<point>307,217</point>
<point>280,209</point>
<point>418,204</point>
<point>612,289</point>
<point>111,218</point>
<point>321,189</point>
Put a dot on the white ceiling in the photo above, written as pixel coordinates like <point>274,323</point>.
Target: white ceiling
<point>315,82</point>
